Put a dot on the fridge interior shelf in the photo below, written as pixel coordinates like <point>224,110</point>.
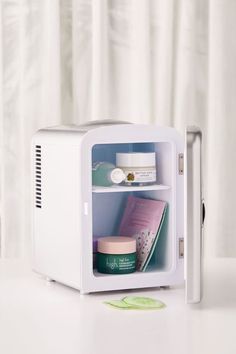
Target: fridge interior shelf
<point>113,189</point>
<point>136,274</point>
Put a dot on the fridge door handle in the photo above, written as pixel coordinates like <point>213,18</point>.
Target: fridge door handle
<point>104,122</point>
<point>203,212</point>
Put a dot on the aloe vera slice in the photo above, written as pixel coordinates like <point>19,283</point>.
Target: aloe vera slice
<point>119,304</point>
<point>143,303</point>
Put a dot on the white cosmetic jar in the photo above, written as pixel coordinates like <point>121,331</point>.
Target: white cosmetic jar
<point>139,167</point>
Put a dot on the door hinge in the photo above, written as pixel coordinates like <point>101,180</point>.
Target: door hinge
<point>181,164</point>
<point>181,247</point>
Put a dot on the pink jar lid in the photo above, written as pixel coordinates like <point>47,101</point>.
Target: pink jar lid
<point>116,245</point>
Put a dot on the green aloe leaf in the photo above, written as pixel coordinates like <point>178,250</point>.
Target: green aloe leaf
<point>143,302</point>
<point>136,303</point>
<point>119,304</point>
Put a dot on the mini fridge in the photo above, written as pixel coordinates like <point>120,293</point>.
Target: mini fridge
<point>67,210</point>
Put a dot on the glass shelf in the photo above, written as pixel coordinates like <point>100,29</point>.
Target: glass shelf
<point>113,189</point>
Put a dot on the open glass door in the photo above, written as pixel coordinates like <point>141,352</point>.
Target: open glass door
<point>194,209</point>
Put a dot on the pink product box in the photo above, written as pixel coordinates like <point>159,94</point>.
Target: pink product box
<point>142,219</point>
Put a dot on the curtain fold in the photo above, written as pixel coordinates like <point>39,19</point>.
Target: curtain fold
<point>146,61</point>
<point>222,125</point>
<point>31,80</point>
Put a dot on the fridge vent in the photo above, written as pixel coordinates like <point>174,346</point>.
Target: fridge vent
<point>38,199</point>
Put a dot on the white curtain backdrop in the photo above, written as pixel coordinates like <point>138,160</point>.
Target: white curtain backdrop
<point>166,62</point>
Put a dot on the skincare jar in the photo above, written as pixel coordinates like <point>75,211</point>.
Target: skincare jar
<point>116,255</point>
<point>139,167</point>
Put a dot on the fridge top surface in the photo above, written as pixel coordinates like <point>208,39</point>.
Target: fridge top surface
<point>110,130</point>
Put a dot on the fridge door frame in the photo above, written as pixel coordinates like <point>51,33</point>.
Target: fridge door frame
<point>193,215</point>
<point>122,134</point>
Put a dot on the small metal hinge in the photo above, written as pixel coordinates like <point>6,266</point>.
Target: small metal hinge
<point>181,164</point>
<point>181,247</point>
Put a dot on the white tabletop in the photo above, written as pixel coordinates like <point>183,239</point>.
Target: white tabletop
<point>37,317</point>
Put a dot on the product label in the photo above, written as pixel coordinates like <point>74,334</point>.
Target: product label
<point>117,264</point>
<point>140,176</point>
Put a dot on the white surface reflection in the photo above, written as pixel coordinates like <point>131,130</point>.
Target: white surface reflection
<point>40,317</point>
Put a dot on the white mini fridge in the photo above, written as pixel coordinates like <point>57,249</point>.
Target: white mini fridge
<point>67,210</point>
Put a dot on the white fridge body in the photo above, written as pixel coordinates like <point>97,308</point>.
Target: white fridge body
<point>68,211</point>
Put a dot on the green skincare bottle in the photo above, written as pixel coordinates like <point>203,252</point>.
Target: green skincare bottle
<point>106,174</point>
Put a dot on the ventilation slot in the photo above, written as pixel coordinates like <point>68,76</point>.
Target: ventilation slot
<point>38,184</point>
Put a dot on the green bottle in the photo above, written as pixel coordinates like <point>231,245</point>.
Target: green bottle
<point>105,174</point>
